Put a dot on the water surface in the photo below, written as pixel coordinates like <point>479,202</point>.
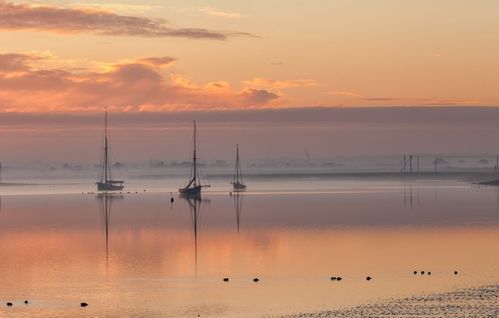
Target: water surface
<point>138,255</point>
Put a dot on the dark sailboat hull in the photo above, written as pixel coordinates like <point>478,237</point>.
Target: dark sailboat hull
<point>106,186</point>
<point>238,186</point>
<point>191,191</point>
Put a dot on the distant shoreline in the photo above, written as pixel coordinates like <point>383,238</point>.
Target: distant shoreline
<point>475,177</point>
<point>11,184</point>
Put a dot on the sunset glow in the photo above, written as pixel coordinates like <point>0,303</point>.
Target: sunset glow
<point>180,55</point>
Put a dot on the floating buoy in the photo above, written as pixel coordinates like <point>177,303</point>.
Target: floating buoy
<point>415,272</point>
<point>422,272</point>
<point>429,273</point>
<point>26,302</point>
<point>172,200</point>
<point>338,278</point>
<point>226,279</point>
<point>333,278</point>
<point>455,272</point>
<point>9,304</point>
<point>256,280</point>
<point>368,278</point>
<point>83,304</point>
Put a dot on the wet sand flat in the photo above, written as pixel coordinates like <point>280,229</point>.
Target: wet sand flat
<point>471,302</point>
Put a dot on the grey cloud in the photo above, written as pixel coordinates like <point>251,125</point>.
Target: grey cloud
<point>88,20</point>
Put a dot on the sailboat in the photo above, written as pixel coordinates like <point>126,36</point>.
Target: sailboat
<point>238,182</point>
<point>106,182</point>
<point>194,186</point>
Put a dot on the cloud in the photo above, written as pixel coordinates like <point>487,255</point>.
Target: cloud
<point>259,82</point>
<point>450,102</point>
<point>344,93</point>
<point>157,61</point>
<point>212,12</point>
<point>118,7</point>
<point>219,13</point>
<point>13,62</point>
<point>260,96</point>
<point>51,18</point>
<point>135,85</point>
<point>381,99</point>
<point>425,102</point>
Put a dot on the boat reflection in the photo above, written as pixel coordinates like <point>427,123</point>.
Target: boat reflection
<point>238,205</point>
<point>105,204</point>
<point>409,200</point>
<point>195,203</point>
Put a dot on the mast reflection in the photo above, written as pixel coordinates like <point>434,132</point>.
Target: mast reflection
<point>238,205</point>
<point>105,205</point>
<point>195,203</point>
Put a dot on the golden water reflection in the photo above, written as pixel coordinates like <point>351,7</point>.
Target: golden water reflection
<point>155,261</point>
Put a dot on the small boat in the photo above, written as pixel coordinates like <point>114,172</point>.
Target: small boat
<point>106,182</point>
<point>194,186</point>
<point>237,182</point>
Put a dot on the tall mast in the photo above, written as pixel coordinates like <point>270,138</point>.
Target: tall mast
<point>238,164</point>
<point>105,148</point>
<point>194,159</point>
<point>236,176</point>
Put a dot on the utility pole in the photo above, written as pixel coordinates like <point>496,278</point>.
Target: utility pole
<point>410,164</point>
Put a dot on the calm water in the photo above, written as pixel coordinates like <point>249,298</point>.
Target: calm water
<point>137,255</point>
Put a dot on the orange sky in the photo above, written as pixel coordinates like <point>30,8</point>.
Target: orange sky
<point>192,55</point>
